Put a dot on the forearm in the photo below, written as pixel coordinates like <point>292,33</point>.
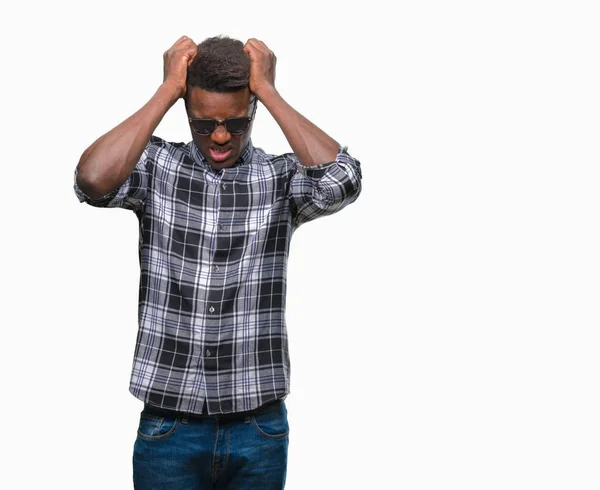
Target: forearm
<point>107,163</point>
<point>311,145</point>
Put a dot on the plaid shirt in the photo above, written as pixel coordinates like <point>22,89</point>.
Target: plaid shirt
<point>213,254</point>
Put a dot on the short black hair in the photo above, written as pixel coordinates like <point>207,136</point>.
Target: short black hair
<point>221,65</point>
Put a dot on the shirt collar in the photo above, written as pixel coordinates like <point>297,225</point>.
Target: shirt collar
<point>245,157</point>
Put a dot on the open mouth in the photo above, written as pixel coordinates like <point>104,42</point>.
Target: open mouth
<point>219,155</point>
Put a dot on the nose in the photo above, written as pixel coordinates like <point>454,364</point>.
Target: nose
<point>220,135</point>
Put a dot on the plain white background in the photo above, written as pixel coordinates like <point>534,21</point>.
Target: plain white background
<point>443,329</point>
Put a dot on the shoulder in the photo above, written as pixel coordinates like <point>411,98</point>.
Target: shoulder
<point>167,154</point>
<point>284,162</point>
<point>157,144</point>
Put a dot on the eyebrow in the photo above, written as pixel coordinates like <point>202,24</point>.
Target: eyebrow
<point>248,112</point>
<point>219,120</point>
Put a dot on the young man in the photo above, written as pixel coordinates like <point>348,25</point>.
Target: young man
<point>216,217</point>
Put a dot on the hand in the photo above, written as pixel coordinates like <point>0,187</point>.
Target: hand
<point>262,67</point>
<point>176,61</point>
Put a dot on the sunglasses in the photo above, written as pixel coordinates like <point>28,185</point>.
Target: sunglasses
<point>234,125</point>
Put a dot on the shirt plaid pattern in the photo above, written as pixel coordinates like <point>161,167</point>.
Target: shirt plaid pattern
<point>213,255</point>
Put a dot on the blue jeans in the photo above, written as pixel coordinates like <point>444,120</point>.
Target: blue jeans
<point>235,451</point>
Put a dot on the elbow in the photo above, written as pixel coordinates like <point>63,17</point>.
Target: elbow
<point>89,185</point>
<point>93,179</point>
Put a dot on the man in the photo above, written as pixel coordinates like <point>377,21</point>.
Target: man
<point>216,217</point>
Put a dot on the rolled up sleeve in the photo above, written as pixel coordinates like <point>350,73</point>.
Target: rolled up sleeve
<point>130,195</point>
<point>324,189</point>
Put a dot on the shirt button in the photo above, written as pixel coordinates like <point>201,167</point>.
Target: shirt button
<point>216,268</point>
<point>207,353</point>
<point>222,227</point>
<point>224,186</point>
<point>211,309</point>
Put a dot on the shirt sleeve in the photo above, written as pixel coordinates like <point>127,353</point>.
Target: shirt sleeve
<point>324,189</point>
<point>130,195</point>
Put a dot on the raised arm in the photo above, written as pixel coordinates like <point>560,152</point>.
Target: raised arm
<point>311,145</point>
<point>107,163</point>
<point>327,178</point>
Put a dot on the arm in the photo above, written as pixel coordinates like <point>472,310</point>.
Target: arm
<point>326,177</point>
<point>310,144</point>
<point>111,159</point>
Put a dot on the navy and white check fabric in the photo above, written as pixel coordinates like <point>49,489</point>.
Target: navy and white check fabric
<point>213,255</point>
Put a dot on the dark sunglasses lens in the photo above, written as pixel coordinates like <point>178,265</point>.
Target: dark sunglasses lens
<point>203,126</point>
<point>237,125</point>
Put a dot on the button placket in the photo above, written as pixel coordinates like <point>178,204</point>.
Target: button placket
<point>225,183</point>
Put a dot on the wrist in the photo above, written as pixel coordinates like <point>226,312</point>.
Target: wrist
<point>169,92</point>
<point>267,94</point>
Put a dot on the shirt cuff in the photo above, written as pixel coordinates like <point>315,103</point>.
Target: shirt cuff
<point>317,171</point>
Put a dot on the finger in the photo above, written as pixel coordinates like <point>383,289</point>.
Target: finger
<point>185,51</point>
<point>191,48</point>
<point>181,40</point>
<point>256,51</point>
<point>179,43</point>
<point>251,50</point>
<point>261,46</point>
<point>192,55</point>
<point>254,43</point>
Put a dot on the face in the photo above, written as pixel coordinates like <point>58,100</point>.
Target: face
<point>221,148</point>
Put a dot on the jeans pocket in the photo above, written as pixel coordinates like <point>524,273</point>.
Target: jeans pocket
<point>155,428</point>
<point>271,423</point>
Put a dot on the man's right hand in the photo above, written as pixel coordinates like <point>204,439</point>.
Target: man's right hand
<point>111,159</point>
<point>176,61</point>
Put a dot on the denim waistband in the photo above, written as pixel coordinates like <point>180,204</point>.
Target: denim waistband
<point>165,412</point>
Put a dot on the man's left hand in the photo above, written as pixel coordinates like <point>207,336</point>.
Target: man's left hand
<point>262,67</point>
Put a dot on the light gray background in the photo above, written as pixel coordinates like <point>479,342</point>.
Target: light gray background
<point>455,303</point>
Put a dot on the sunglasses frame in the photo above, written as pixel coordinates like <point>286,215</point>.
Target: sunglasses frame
<point>223,122</point>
